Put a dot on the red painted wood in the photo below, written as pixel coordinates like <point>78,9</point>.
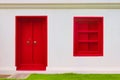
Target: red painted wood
<point>26,48</point>
<point>88,36</point>
<point>45,41</point>
<point>38,38</point>
<point>31,56</point>
<point>31,67</point>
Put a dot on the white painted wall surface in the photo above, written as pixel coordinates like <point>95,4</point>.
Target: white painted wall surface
<point>60,39</point>
<point>59,1</point>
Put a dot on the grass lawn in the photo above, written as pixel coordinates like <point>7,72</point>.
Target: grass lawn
<point>71,76</point>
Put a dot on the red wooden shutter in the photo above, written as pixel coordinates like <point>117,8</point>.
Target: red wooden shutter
<point>88,36</point>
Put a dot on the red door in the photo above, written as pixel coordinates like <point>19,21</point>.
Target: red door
<point>31,43</point>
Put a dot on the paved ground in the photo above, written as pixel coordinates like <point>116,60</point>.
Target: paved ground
<point>4,76</point>
<point>19,76</point>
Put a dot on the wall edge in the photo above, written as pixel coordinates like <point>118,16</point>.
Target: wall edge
<point>59,5</point>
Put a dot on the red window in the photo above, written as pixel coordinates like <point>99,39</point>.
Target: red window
<point>88,36</point>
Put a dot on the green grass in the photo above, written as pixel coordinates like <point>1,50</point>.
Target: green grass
<point>71,76</point>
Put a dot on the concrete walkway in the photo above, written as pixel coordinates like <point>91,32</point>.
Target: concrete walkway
<point>4,76</point>
<point>19,76</point>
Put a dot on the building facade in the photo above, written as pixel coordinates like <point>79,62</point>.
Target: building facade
<point>21,23</point>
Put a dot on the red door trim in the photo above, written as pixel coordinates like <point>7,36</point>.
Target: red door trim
<point>17,39</point>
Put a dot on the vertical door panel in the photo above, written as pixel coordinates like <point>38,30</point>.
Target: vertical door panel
<point>37,42</point>
<point>44,41</point>
<point>26,42</point>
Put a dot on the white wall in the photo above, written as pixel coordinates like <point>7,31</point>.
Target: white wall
<point>60,40</point>
<point>58,1</point>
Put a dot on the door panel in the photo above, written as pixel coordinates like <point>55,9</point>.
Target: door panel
<point>37,42</point>
<point>26,42</point>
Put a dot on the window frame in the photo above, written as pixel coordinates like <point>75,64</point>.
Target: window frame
<point>99,21</point>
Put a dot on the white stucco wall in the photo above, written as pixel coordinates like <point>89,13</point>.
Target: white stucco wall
<point>58,1</point>
<point>60,39</point>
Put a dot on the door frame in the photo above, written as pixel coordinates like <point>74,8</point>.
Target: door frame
<point>17,40</point>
